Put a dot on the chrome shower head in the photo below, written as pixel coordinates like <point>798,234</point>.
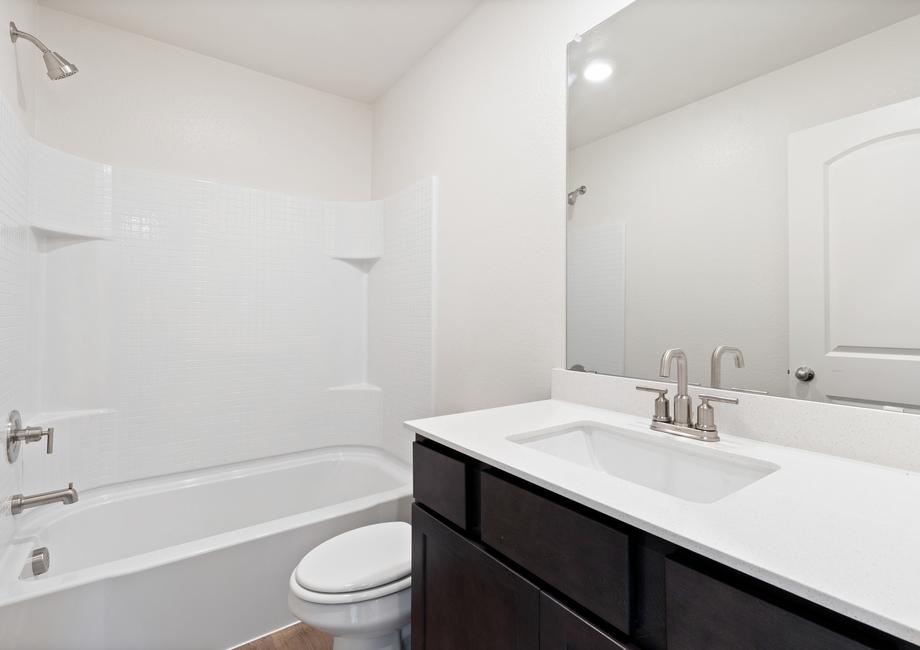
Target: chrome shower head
<point>57,66</point>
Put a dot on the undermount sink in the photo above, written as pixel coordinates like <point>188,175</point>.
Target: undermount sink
<point>674,467</point>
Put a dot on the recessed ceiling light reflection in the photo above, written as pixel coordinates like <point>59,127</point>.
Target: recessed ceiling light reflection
<point>598,71</point>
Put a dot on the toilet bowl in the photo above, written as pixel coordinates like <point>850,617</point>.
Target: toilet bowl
<point>356,587</point>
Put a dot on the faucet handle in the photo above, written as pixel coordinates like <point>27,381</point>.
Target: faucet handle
<point>705,414</point>
<point>662,408</point>
<point>35,434</point>
<point>16,434</point>
<point>713,398</point>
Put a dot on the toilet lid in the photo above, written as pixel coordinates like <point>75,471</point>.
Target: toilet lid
<point>359,559</point>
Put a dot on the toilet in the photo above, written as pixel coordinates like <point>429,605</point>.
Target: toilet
<point>356,587</point>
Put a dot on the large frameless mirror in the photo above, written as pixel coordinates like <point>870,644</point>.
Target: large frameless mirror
<point>744,184</point>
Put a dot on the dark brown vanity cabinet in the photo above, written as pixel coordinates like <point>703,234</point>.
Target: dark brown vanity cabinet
<point>501,564</point>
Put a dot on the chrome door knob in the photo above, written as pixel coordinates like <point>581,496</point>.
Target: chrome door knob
<point>804,373</point>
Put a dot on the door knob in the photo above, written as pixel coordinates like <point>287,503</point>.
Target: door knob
<point>804,373</point>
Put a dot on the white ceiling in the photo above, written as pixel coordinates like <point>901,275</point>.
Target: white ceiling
<point>669,53</point>
<point>352,48</point>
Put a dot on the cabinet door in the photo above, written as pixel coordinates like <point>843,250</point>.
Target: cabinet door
<point>463,599</point>
<point>563,629</point>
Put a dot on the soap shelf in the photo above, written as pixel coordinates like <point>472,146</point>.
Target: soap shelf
<point>62,234</point>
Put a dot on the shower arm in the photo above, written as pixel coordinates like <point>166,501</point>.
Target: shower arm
<point>17,34</point>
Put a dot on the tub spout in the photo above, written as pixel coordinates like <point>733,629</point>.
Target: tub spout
<point>19,502</point>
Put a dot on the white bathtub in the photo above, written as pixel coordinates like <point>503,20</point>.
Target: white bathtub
<point>196,560</point>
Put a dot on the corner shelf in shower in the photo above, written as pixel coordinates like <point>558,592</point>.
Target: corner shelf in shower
<point>354,232</point>
<point>64,234</point>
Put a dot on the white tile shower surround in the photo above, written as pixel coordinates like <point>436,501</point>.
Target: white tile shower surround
<point>185,323</point>
<point>16,251</point>
<point>400,325</point>
<point>596,295</point>
<point>354,231</point>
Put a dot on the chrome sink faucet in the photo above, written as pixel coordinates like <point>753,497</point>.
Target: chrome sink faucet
<point>19,502</point>
<point>682,401</point>
<point>716,363</point>
<point>682,423</point>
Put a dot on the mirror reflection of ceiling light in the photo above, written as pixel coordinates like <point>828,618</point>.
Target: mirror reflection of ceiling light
<point>598,71</point>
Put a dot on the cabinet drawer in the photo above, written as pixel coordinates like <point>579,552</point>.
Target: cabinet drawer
<point>586,560</point>
<point>440,483</point>
<point>563,629</point>
<point>705,612</point>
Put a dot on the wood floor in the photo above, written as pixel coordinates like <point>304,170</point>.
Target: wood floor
<point>295,637</point>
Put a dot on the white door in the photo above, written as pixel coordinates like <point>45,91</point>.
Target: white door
<point>854,258</point>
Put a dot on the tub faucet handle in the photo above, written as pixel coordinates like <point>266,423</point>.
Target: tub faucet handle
<point>35,434</point>
<point>49,438</point>
<point>16,434</point>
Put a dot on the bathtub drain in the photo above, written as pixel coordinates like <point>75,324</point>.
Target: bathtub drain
<point>41,560</point>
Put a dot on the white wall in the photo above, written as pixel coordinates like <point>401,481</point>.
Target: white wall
<point>703,193</point>
<point>18,64</point>
<point>143,103</point>
<point>485,112</point>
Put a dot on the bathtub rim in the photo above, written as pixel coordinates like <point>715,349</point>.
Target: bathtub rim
<point>27,538</point>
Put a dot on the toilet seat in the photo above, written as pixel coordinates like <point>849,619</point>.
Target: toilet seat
<point>322,598</point>
<point>358,565</point>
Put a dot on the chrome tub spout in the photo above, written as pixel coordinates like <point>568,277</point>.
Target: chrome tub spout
<point>19,502</point>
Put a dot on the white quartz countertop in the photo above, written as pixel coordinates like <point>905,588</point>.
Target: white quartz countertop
<point>841,533</point>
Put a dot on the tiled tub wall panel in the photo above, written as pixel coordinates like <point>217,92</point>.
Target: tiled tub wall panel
<point>400,321</point>
<point>596,296</point>
<point>68,193</point>
<point>85,452</point>
<point>229,312</point>
<point>70,201</point>
<point>16,280</point>
<point>212,322</point>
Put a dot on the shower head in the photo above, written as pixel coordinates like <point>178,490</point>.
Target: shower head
<point>57,66</point>
<point>574,194</point>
